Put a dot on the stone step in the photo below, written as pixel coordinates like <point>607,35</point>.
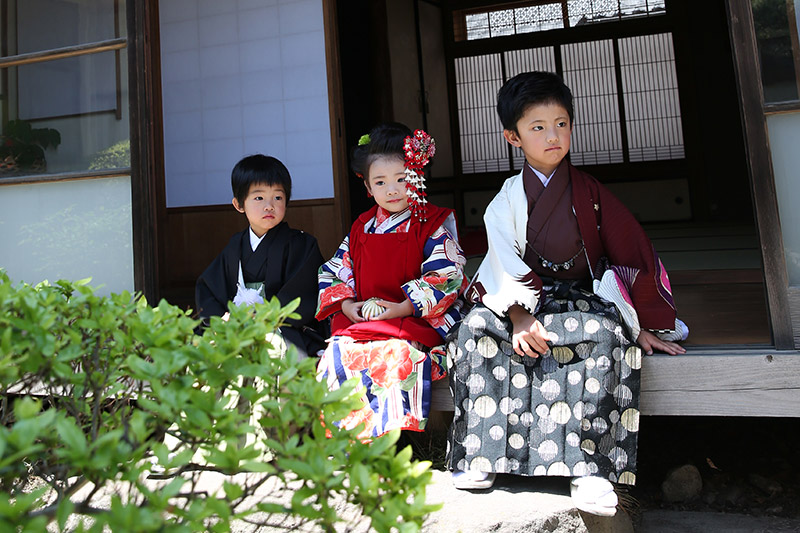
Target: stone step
<point>513,505</point>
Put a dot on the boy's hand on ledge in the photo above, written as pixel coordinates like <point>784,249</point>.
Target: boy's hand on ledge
<point>395,310</point>
<point>352,310</point>
<point>529,338</point>
<point>649,342</point>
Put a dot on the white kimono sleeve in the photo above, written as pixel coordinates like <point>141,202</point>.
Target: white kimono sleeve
<point>503,279</point>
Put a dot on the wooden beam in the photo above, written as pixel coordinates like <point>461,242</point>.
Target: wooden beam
<point>756,403</point>
<point>63,53</point>
<point>143,73</point>
<point>333,64</point>
<point>67,176</point>
<point>754,126</point>
<point>708,382</point>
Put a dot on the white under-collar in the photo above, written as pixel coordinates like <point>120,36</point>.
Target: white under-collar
<point>544,179</point>
<point>255,240</point>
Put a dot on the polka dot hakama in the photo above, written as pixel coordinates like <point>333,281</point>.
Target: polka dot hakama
<point>572,412</point>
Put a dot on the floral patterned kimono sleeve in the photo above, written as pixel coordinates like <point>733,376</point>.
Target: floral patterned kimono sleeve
<point>336,282</point>
<point>435,293</point>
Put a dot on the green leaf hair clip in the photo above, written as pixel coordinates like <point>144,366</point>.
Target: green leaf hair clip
<point>363,140</point>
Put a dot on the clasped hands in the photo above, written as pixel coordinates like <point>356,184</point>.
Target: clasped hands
<point>352,309</point>
<point>530,337</point>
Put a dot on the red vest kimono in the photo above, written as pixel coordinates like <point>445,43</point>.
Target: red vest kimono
<point>381,265</point>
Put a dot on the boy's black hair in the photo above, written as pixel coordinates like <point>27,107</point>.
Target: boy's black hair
<point>259,169</point>
<point>528,89</point>
<point>385,140</point>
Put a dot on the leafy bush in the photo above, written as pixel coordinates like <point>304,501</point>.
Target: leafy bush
<point>117,415</point>
<point>115,156</point>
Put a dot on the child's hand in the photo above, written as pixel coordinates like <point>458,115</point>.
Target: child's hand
<point>649,342</point>
<point>529,338</point>
<point>352,310</point>
<point>395,310</point>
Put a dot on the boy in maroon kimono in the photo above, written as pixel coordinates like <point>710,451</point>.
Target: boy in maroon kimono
<point>546,365</point>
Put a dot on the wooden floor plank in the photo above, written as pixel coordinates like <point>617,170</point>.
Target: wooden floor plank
<point>723,313</point>
<point>723,381</point>
<point>757,403</point>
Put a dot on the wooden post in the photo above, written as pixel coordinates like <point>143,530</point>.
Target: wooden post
<point>144,76</point>
<point>754,124</point>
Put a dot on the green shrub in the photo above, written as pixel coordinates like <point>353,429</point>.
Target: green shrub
<point>116,414</point>
<point>115,156</point>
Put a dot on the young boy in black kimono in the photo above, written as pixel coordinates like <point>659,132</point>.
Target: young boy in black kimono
<point>268,258</point>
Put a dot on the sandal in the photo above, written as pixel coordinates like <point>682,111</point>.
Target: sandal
<point>594,495</point>
<point>472,479</point>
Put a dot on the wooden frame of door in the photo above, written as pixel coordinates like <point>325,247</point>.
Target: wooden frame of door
<point>762,179</point>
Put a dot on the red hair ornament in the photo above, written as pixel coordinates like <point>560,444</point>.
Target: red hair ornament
<point>418,150</point>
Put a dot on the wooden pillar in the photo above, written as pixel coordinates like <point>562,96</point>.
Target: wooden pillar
<point>146,162</point>
<point>754,124</point>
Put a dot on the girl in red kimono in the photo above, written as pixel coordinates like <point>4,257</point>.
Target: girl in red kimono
<point>391,290</point>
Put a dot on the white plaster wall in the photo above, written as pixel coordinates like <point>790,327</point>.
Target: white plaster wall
<point>784,130</point>
<point>240,78</point>
<point>68,230</point>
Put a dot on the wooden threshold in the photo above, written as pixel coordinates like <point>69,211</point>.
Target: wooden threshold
<point>708,381</point>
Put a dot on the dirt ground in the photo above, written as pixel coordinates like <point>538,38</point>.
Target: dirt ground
<point>748,465</point>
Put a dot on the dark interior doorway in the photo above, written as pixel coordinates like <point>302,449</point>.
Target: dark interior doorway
<point>697,208</point>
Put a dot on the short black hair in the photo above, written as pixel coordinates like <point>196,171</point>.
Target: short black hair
<point>259,169</point>
<point>528,89</point>
<point>385,140</point>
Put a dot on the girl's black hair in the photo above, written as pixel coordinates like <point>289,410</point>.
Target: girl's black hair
<point>528,89</point>
<point>385,140</point>
<point>259,169</point>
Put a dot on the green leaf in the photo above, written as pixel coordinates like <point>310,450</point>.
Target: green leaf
<point>257,467</point>
<point>382,444</point>
<point>288,374</point>
<point>301,468</point>
<point>26,407</point>
<point>71,435</point>
<point>172,488</point>
<point>360,476</point>
<point>420,468</point>
<point>272,508</point>
<point>65,509</point>
<point>299,504</point>
<point>232,490</point>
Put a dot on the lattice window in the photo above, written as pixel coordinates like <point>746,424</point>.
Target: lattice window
<point>478,26</point>
<point>478,79</point>
<point>592,11</point>
<point>652,109</point>
<point>589,71</point>
<point>543,16</point>
<point>648,104</point>
<point>538,18</point>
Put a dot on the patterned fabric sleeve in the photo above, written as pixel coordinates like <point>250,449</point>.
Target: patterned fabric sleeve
<point>435,293</point>
<point>336,282</point>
